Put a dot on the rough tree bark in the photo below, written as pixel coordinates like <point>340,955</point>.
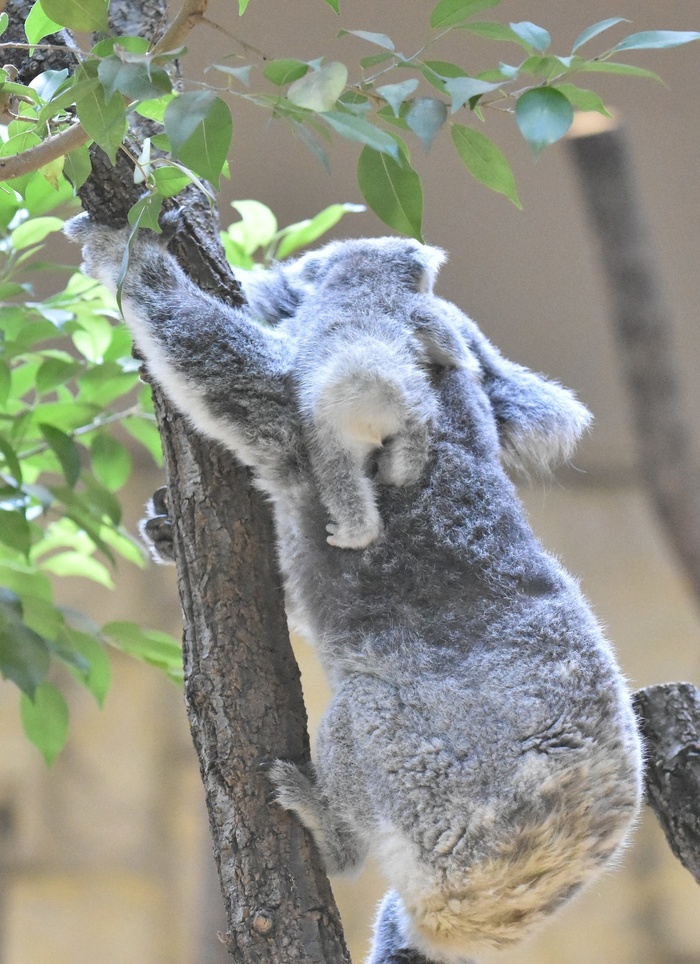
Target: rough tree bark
<point>669,713</point>
<point>242,683</point>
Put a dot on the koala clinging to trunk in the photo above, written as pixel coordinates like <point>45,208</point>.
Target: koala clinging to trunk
<point>480,742</point>
<point>361,363</point>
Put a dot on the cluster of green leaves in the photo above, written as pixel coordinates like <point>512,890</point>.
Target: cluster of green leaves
<point>394,95</point>
<point>69,399</point>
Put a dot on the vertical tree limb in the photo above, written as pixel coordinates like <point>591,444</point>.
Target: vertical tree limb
<point>642,325</point>
<point>242,684</point>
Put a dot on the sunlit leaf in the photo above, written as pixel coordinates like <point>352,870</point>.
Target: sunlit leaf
<point>396,94</point>
<point>38,25</point>
<point>319,89</point>
<point>158,649</point>
<point>86,15</point>
<point>98,675</point>
<point>45,720</point>
<point>537,37</point>
<point>111,462</point>
<point>77,564</point>
<point>657,39</point>
<point>306,232</point>
<point>583,99</point>
<point>34,230</point>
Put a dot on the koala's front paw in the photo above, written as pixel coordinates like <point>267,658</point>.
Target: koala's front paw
<point>354,534</point>
<point>103,247</point>
<point>157,528</point>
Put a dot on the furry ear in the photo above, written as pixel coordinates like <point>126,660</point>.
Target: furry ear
<point>539,422</point>
<point>269,293</point>
<point>443,342</point>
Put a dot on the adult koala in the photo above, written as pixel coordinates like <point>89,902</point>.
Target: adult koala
<point>480,742</point>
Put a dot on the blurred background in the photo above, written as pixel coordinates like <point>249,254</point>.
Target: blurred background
<point>105,858</point>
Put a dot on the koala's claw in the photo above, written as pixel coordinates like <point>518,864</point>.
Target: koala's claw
<point>157,528</point>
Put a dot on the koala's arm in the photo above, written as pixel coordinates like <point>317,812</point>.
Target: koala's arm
<point>215,363</point>
<point>539,421</point>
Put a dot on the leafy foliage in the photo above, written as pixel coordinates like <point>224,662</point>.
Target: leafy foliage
<point>69,394</point>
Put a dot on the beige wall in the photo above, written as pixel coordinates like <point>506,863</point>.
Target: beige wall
<point>103,859</point>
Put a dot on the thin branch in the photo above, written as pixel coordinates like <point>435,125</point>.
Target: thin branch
<point>26,162</point>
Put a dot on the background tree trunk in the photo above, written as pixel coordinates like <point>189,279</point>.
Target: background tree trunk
<point>242,683</point>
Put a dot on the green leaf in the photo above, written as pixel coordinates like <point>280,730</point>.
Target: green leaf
<point>170,180</point>
<point>450,12</point>
<point>45,720</point>
<point>137,81</point>
<point>543,115</point>
<point>155,109</point>
<point>536,36</point>
<point>396,94</point>
<point>300,235</point>
<point>583,99</point>
<point>240,73</point>
<point>34,231</point>
<point>38,25</point>
<point>65,449</point>
<point>145,431</point>
<point>242,4</point>
<point>425,116</point>
<point>77,564</point>
<point>358,129</point>
<point>462,89</point>
<point>103,119</point>
<point>393,191</point>
<point>257,227</point>
<point>375,60</point>
<point>205,148</point>
<point>111,462</point>
<point>158,649</point>
<point>54,372</point>
<point>590,32</point>
<point>657,39</point>
<point>380,39</point>
<point>496,31</point>
<point>285,71</point>
<point>319,89</point>
<point>334,4</point>
<point>14,531</point>
<point>98,676</point>
<point>24,655</point>
<point>77,166</point>
<point>12,464</point>
<point>85,15</point>
<point>485,161</point>
<point>145,213</point>
<point>610,67</point>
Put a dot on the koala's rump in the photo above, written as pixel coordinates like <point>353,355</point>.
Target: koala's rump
<point>480,845</point>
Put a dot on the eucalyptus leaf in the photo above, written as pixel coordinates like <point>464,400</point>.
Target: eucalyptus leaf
<point>39,25</point>
<point>396,94</point>
<point>319,89</point>
<point>537,37</point>
<point>590,32</point>
<point>425,116</point>
<point>380,39</point>
<point>543,115</point>
<point>103,118</point>
<point>450,12</point>
<point>45,720</point>
<point>393,191</point>
<point>657,40</point>
<point>85,15</point>
<point>485,161</point>
<point>296,236</point>
<point>462,89</point>
<point>358,129</point>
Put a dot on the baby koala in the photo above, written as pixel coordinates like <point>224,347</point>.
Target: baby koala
<point>364,345</point>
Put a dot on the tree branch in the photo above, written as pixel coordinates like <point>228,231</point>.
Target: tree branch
<point>670,721</point>
<point>642,326</point>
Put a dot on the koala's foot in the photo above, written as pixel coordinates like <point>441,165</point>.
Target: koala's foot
<point>342,850</point>
<point>402,460</point>
<point>157,528</point>
<point>354,533</point>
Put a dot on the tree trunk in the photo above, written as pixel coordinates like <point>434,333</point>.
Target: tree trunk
<point>242,684</point>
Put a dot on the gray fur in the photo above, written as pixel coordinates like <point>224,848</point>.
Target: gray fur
<point>480,742</point>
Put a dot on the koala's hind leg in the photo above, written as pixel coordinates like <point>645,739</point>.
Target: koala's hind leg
<point>346,491</point>
<point>404,456</point>
<point>341,848</point>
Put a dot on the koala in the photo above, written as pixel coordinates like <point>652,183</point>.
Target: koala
<point>362,356</point>
<point>480,742</point>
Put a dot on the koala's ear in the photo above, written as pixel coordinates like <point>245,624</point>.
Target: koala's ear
<point>539,422</point>
<point>443,342</point>
<point>269,293</point>
<point>429,260</point>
